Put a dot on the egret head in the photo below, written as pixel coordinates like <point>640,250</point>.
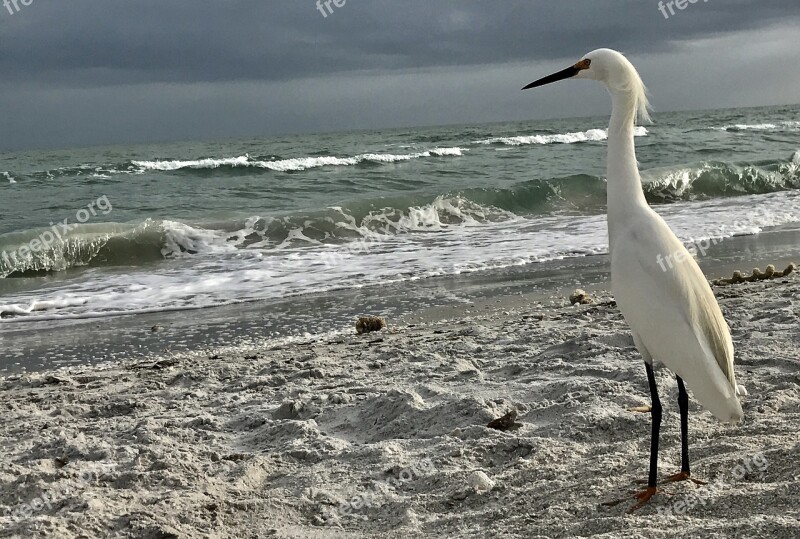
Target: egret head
<point>614,71</point>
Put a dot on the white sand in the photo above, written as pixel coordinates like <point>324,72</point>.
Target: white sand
<point>383,435</point>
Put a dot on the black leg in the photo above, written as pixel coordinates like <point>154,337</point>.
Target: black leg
<point>683,403</point>
<point>652,481</point>
<point>656,416</point>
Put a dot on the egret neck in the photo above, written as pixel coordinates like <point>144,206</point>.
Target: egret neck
<point>625,195</point>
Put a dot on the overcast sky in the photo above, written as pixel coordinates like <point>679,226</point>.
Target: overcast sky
<point>83,72</point>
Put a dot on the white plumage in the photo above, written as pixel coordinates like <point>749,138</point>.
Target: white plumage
<point>659,288</point>
<point>670,306</point>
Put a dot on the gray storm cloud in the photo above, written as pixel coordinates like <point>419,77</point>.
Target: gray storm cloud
<point>91,72</point>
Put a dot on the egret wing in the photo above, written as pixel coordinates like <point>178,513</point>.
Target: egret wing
<point>669,304</point>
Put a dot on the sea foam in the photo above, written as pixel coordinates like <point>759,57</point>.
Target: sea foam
<point>788,124</point>
<point>295,164</point>
<point>592,135</point>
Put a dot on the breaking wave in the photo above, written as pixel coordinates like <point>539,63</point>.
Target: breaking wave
<point>109,244</point>
<point>592,135</point>
<point>297,164</point>
<point>789,124</point>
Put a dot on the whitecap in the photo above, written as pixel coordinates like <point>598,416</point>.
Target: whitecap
<point>592,135</point>
<point>294,164</point>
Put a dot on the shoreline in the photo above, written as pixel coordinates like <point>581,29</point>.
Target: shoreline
<point>385,433</point>
<point>47,345</point>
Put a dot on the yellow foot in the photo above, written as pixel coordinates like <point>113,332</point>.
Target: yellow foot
<point>684,476</point>
<point>641,499</point>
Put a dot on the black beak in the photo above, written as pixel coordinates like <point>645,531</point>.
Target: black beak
<point>555,77</point>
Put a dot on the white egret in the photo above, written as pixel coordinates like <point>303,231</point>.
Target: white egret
<point>672,312</point>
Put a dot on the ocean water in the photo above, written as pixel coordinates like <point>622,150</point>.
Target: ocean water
<point>101,232</point>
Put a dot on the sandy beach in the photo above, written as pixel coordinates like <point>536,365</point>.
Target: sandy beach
<point>385,434</point>
<point>331,269</point>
